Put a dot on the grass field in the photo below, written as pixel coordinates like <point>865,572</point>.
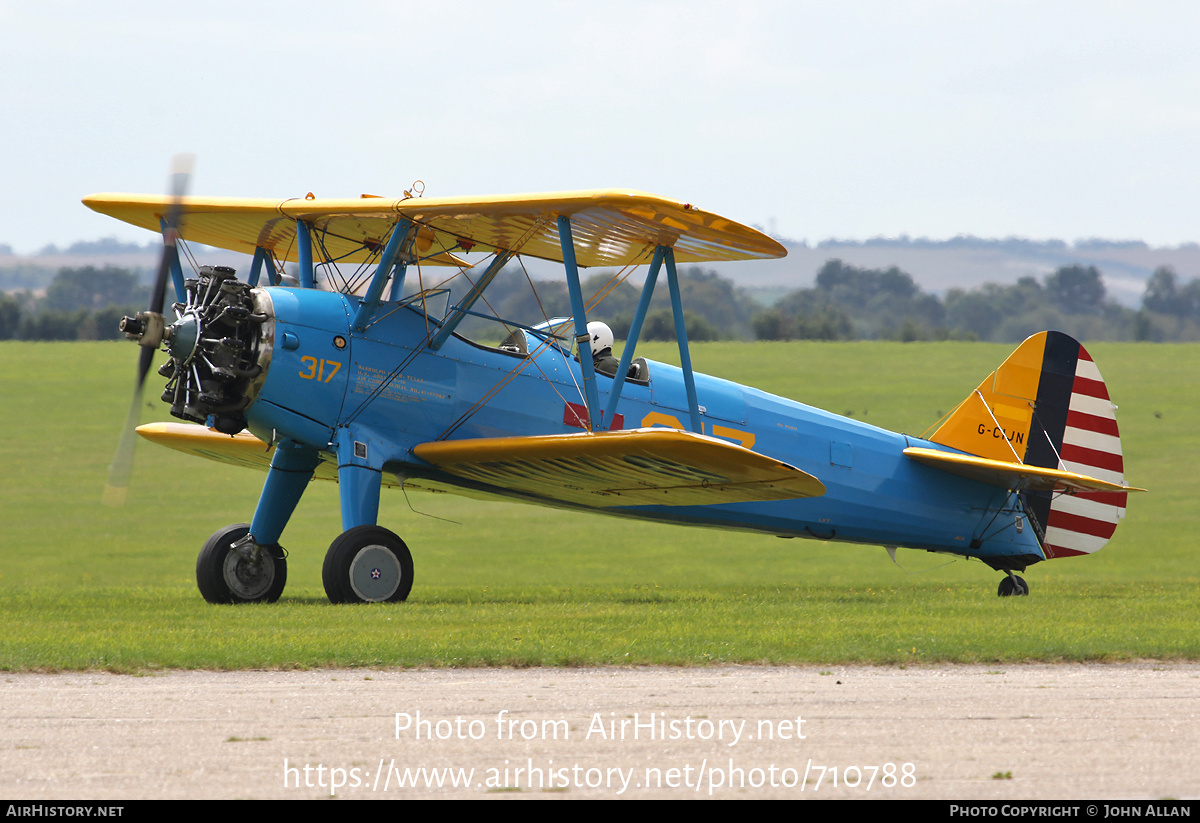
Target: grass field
<point>84,586</point>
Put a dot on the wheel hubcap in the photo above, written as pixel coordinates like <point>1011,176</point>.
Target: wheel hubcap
<point>375,574</point>
<point>246,580</point>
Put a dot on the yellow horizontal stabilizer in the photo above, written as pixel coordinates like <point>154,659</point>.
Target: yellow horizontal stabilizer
<point>638,467</point>
<point>1014,476</point>
<point>610,227</point>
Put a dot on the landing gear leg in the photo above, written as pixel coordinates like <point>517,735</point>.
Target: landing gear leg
<point>1013,586</point>
<point>366,563</point>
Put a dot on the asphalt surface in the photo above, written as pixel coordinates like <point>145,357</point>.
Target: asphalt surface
<point>1019,732</point>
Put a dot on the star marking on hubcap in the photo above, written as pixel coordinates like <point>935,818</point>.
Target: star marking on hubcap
<point>375,574</point>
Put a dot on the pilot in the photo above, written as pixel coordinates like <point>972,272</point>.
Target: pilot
<point>602,343</point>
<point>602,357</point>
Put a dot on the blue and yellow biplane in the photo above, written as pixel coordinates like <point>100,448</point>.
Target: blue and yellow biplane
<point>366,379</point>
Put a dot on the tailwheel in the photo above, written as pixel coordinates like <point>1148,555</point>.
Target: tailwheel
<point>1013,586</point>
<point>367,564</point>
<point>232,568</point>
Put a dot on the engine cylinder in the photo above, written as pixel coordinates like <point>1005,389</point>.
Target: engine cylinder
<point>217,353</point>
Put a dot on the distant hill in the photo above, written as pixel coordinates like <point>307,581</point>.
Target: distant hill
<point>964,262</point>
<point>967,262</point>
<point>35,271</point>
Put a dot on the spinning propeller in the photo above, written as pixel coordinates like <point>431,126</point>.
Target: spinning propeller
<point>215,344</point>
<point>148,328</point>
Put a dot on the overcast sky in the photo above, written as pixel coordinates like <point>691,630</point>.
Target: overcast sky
<point>810,119</point>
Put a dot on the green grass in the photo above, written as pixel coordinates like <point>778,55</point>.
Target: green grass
<point>85,586</point>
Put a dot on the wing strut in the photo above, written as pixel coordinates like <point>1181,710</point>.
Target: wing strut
<point>261,256</point>
<point>685,357</point>
<point>400,238</point>
<point>398,281</point>
<point>635,330</point>
<point>176,270</point>
<point>661,254</point>
<point>308,277</point>
<point>578,311</point>
<point>456,314</point>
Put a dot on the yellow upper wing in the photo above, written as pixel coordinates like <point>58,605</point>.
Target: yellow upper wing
<point>610,227</point>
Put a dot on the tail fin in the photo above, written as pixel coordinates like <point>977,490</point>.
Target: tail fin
<point>1047,406</point>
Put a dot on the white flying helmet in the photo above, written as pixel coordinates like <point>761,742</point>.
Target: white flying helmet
<point>602,336</point>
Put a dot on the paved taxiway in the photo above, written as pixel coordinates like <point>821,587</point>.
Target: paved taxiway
<point>981,732</point>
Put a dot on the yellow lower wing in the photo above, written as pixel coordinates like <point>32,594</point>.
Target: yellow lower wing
<point>242,449</point>
<point>638,467</point>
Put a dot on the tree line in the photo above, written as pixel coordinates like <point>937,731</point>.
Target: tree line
<point>79,304</point>
<point>850,303</point>
<point>845,303</point>
<point>714,308</point>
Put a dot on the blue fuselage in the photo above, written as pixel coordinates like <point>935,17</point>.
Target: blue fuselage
<point>393,391</point>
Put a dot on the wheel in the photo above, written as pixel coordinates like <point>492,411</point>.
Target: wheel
<point>367,564</point>
<point>225,576</point>
<point>1012,585</point>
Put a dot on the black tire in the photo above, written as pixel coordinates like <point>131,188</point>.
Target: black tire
<point>367,564</point>
<point>1013,586</point>
<point>224,576</point>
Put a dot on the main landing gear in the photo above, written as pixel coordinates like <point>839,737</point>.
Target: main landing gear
<point>232,568</point>
<point>1011,585</point>
<point>365,564</point>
